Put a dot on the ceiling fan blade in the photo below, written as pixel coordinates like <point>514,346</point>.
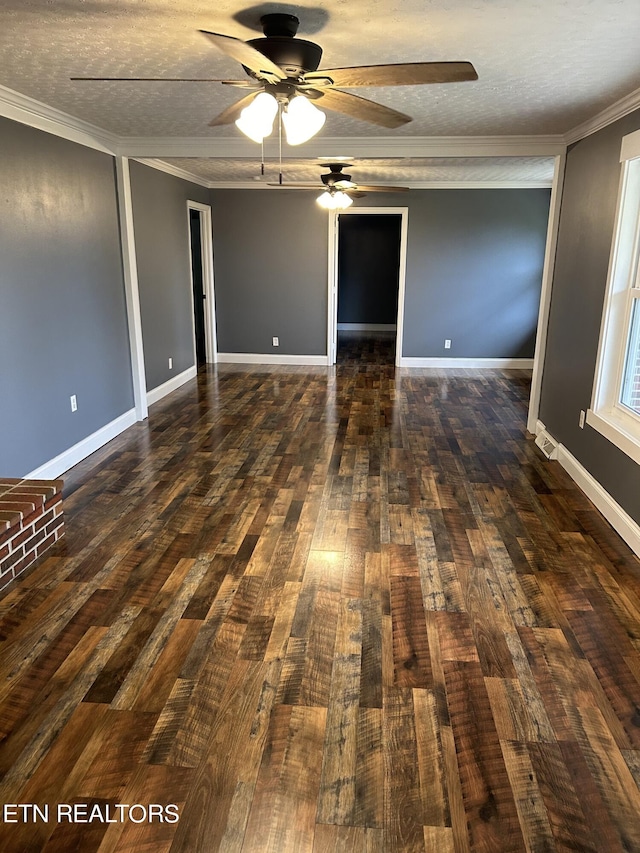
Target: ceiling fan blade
<point>408,74</point>
<point>382,188</point>
<point>361,108</point>
<point>243,83</point>
<point>246,55</point>
<point>355,193</point>
<point>232,113</point>
<point>296,186</point>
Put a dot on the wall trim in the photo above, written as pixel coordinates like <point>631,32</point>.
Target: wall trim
<point>268,358</point>
<point>546,289</point>
<point>25,110</point>
<point>612,113</point>
<point>171,385</point>
<point>618,518</point>
<point>171,169</point>
<point>366,146</point>
<point>469,363</point>
<point>367,327</point>
<point>68,458</point>
<point>208,281</point>
<point>131,287</point>
<point>332,277</point>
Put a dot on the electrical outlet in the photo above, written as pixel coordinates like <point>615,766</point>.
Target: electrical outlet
<point>74,403</point>
<point>170,364</point>
<point>276,342</point>
<point>447,344</point>
<point>581,420</point>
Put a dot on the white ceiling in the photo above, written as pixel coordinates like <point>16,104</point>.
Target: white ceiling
<point>401,171</point>
<point>544,66</point>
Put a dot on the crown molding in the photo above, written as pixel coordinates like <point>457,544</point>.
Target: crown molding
<point>411,185</point>
<point>176,171</point>
<point>366,146</point>
<point>26,110</point>
<point>616,111</point>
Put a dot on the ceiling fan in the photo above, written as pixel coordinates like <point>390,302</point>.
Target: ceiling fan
<point>340,190</point>
<point>286,69</point>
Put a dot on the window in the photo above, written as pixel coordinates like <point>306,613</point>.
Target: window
<point>615,407</point>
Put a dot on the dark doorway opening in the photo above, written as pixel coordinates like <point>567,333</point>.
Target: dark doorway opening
<point>368,285</point>
<point>197,277</point>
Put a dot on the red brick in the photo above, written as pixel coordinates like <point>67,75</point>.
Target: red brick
<point>24,508</point>
<point>9,518</point>
<point>44,519</point>
<point>56,524</point>
<point>20,536</point>
<point>24,563</point>
<point>9,561</point>
<point>47,543</point>
<point>5,581</point>
<point>54,499</point>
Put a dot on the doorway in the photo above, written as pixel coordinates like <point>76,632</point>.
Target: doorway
<point>367,261</point>
<point>201,268</point>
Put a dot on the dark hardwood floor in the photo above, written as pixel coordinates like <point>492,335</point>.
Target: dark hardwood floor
<point>347,609</point>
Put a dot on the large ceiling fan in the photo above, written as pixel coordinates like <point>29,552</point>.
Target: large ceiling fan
<point>287,69</point>
<point>339,189</point>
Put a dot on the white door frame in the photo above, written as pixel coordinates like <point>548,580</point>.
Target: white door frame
<point>206,242</point>
<point>332,325</point>
<point>553,226</point>
<point>131,287</point>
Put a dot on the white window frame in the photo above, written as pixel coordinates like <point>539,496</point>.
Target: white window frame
<point>607,414</point>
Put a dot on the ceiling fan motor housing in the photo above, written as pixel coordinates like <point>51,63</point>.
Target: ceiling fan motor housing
<point>294,56</point>
<point>333,178</point>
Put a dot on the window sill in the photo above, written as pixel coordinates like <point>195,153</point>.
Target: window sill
<point>618,430</point>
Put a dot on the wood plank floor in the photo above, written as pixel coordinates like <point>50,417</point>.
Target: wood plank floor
<point>347,609</point>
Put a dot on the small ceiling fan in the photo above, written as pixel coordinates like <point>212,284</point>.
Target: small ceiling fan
<point>286,68</point>
<point>340,190</point>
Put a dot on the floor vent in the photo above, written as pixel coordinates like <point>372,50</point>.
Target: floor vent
<point>547,445</point>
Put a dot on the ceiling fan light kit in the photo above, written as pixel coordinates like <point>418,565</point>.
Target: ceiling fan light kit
<point>287,69</point>
<point>301,120</point>
<point>256,120</point>
<point>339,189</point>
<point>336,200</point>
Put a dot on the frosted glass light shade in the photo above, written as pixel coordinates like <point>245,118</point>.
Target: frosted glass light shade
<point>334,201</point>
<point>256,120</point>
<point>301,120</point>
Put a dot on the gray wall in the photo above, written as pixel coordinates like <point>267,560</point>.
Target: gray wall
<point>580,277</point>
<point>63,327</point>
<point>270,269</point>
<point>474,270</point>
<point>161,228</point>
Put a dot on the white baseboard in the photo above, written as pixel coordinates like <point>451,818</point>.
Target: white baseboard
<point>61,463</point>
<point>171,385</point>
<point>469,363</point>
<point>618,518</point>
<point>268,358</point>
<point>367,327</point>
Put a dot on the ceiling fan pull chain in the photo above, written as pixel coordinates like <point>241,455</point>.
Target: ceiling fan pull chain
<point>262,156</point>
<point>280,140</point>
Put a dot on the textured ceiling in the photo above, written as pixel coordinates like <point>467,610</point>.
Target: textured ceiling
<point>544,66</point>
<point>398,170</point>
